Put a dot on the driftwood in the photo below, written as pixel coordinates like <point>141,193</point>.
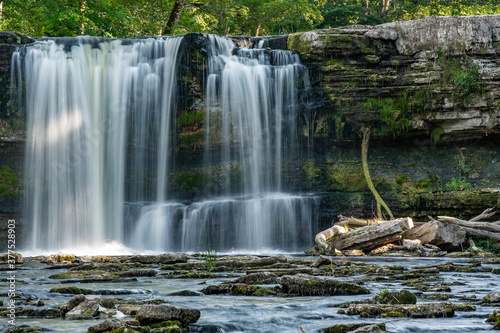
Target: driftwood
<point>369,237</point>
<point>346,221</point>
<point>322,238</point>
<point>468,224</point>
<point>447,236</point>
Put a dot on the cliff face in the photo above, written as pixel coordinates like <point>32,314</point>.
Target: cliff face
<point>428,88</point>
<point>437,77</point>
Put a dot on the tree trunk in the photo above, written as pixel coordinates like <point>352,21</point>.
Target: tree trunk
<point>175,14</point>
<point>83,5</point>
<point>385,7</point>
<point>366,171</point>
<point>322,238</point>
<point>257,31</point>
<point>448,237</point>
<point>372,236</point>
<point>1,9</point>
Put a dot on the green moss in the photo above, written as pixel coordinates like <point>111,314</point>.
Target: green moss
<point>312,173</point>
<point>436,134</point>
<point>345,328</point>
<point>9,184</point>
<point>188,181</point>
<point>71,290</point>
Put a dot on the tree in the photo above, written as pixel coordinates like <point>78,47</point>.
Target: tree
<point>366,172</point>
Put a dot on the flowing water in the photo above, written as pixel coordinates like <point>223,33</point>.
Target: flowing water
<point>224,313</point>
<point>101,117</point>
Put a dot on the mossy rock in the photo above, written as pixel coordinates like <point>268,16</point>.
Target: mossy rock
<point>397,297</point>
<point>71,290</point>
<point>346,328</point>
<point>239,289</point>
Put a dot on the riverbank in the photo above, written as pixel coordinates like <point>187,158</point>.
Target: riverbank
<point>252,293</point>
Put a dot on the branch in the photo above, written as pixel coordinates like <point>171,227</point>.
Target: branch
<point>484,215</point>
<point>468,224</point>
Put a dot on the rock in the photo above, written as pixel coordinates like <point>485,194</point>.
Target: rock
<point>151,314</point>
<point>186,293</point>
<point>137,272</point>
<point>494,319</point>
<point>25,329</point>
<point>322,261</point>
<point>129,310</point>
<point>492,298</point>
<point>446,236</point>
<point>71,290</point>
<point>359,328</point>
<point>17,257</point>
<point>59,259</point>
<point>307,285</point>
<point>257,278</point>
<point>164,258</point>
<point>396,297</point>
<point>455,35</point>
<point>238,289</point>
<point>428,310</point>
<point>105,326</point>
<point>88,309</point>
<point>73,302</point>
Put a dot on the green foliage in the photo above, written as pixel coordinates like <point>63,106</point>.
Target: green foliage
<point>436,134</point>
<point>9,183</point>
<point>210,255</point>
<point>487,244</point>
<point>462,73</point>
<point>312,173</point>
<point>190,119</point>
<point>458,184</point>
<point>393,113</point>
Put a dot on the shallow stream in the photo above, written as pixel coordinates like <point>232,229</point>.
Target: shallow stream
<point>225,313</point>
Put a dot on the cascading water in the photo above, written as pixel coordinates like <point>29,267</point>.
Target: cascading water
<point>100,117</point>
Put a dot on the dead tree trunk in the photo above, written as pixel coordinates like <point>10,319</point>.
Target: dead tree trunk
<point>366,171</point>
<point>175,14</point>
<point>372,236</point>
<point>322,238</point>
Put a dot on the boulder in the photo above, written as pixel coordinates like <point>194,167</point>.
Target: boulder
<point>106,326</point>
<point>59,259</point>
<point>151,314</point>
<point>494,319</point>
<point>17,257</point>
<point>427,310</point>
<point>492,298</point>
<point>396,297</point>
<point>257,278</point>
<point>73,302</point>
<point>307,285</point>
<point>88,309</point>
<point>164,258</point>
<point>446,236</point>
<point>358,328</point>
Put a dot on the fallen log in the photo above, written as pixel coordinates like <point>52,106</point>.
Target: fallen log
<point>346,221</point>
<point>370,237</point>
<point>482,233</point>
<point>447,236</point>
<point>484,215</point>
<point>322,237</point>
<point>468,224</point>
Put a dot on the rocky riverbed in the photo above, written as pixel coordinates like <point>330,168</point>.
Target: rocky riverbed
<point>176,292</point>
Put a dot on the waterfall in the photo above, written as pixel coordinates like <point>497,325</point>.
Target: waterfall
<point>100,139</point>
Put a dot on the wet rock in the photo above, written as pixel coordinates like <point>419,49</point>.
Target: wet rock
<point>25,329</point>
<point>59,259</point>
<point>427,310</point>
<point>307,285</point>
<point>71,290</point>
<point>186,293</point>
<point>129,310</point>
<point>358,328</point>
<point>396,297</point>
<point>17,257</point>
<point>239,289</point>
<point>492,298</point>
<point>165,258</point>
<point>151,314</point>
<point>105,326</point>
<point>257,278</point>
<point>73,302</point>
<point>323,261</point>
<point>189,275</point>
<point>35,312</point>
<point>494,319</point>
<point>137,272</point>
<point>34,301</point>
